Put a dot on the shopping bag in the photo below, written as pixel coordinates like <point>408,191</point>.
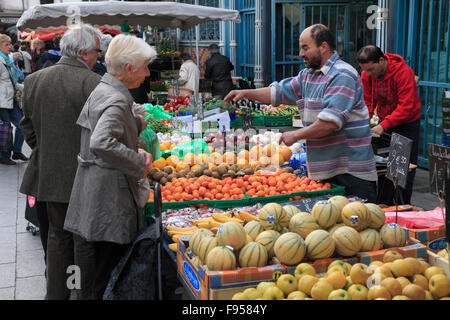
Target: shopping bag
<point>6,136</point>
<point>151,142</point>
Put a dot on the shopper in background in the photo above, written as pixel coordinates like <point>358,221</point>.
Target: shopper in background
<point>26,55</point>
<point>52,100</point>
<point>189,76</point>
<point>329,95</point>
<point>106,203</point>
<point>37,48</point>
<point>218,70</point>
<point>390,89</point>
<point>9,108</point>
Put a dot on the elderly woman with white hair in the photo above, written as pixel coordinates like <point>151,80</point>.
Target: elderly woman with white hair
<point>106,202</point>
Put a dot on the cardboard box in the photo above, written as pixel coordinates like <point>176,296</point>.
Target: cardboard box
<point>433,238</point>
<point>221,285</point>
<point>413,249</point>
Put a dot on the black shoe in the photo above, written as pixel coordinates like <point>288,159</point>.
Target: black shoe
<point>7,161</point>
<point>19,156</point>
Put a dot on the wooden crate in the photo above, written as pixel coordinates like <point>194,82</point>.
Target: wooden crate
<point>435,260</point>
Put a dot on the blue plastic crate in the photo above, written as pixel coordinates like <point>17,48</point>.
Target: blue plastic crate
<point>297,162</point>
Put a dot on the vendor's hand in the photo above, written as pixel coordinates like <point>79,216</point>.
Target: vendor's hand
<point>234,96</point>
<point>289,138</point>
<point>148,161</point>
<point>378,130</point>
<point>144,123</point>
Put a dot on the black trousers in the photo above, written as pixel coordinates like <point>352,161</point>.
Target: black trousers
<point>356,187</point>
<point>41,210</point>
<point>107,255</point>
<point>386,190</point>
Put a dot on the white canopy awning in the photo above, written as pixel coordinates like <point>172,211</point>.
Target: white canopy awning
<point>111,14</point>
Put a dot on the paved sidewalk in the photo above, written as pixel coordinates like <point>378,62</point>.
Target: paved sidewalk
<point>22,263</point>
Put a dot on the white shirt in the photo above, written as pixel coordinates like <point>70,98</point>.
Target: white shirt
<point>189,76</point>
<point>26,61</point>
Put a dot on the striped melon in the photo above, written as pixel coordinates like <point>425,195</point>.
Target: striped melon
<point>196,237</point>
<point>231,234</point>
<point>319,245</point>
<point>196,261</point>
<point>325,213</point>
<point>206,245</point>
<point>267,239</point>
<point>290,210</point>
<point>253,228</point>
<point>339,202</point>
<point>370,240</point>
<point>253,254</point>
<point>377,216</point>
<point>303,224</point>
<point>355,215</point>
<point>290,248</point>
<point>393,235</point>
<point>347,241</point>
<point>221,258</point>
<point>273,217</point>
<point>335,227</point>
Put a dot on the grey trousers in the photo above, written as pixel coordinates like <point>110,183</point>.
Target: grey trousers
<point>65,249</point>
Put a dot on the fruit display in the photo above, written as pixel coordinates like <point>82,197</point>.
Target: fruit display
<point>176,103</point>
<point>281,110</point>
<point>161,126</point>
<point>412,279</point>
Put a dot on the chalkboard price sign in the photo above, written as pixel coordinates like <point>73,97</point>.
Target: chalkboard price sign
<point>438,168</point>
<point>398,161</point>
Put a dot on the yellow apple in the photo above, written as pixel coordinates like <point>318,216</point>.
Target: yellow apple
<point>375,279</point>
<point>402,268</point>
<point>339,294</point>
<point>376,263</point>
<point>445,298</point>
<point>341,264</point>
<point>337,279</point>
<point>321,290</point>
<point>306,283</point>
<point>358,292</point>
<point>403,281</point>
<point>348,282</point>
<point>287,283</point>
<point>302,269</point>
<point>295,294</point>
<point>428,295</point>
<point>393,286</point>
<point>431,271</point>
<point>378,292</point>
<point>391,255</point>
<point>264,285</point>
<point>252,293</point>
<point>416,265</point>
<point>420,280</point>
<point>400,297</point>
<point>414,292</point>
<point>384,270</point>
<point>273,293</point>
<point>425,265</point>
<point>338,268</point>
<point>387,265</point>
<point>439,285</point>
<point>239,296</point>
<point>360,273</point>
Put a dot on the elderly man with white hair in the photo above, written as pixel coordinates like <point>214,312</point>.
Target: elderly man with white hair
<point>106,202</point>
<point>52,101</point>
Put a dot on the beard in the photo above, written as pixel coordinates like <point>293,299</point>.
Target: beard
<point>314,62</point>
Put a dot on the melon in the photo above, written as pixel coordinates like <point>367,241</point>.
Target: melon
<point>335,227</point>
<point>231,234</point>
<point>393,235</point>
<point>253,254</point>
<point>221,258</point>
<point>196,237</point>
<point>267,239</point>
<point>347,241</point>
<point>319,245</point>
<point>273,217</point>
<point>370,240</point>
<point>290,210</point>
<point>290,248</point>
<point>253,228</point>
<point>339,202</point>
<point>325,213</point>
<point>377,216</point>
<point>206,245</point>
<point>303,224</point>
<point>355,215</point>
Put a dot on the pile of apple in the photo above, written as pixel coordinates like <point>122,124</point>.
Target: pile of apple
<point>394,278</point>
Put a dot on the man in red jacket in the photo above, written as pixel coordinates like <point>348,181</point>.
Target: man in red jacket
<point>390,89</point>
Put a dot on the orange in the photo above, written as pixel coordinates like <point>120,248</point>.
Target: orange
<point>159,164</point>
<point>201,158</point>
<point>242,163</point>
<point>172,160</point>
<point>244,154</point>
<point>195,166</point>
<point>270,150</point>
<point>286,153</point>
<point>165,146</point>
<point>229,157</point>
<point>254,164</point>
<point>182,165</point>
<point>189,158</point>
<point>255,153</point>
<point>277,159</point>
<point>215,158</point>
<point>265,161</point>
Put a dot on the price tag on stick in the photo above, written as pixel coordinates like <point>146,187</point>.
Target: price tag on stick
<point>438,156</point>
<point>398,161</point>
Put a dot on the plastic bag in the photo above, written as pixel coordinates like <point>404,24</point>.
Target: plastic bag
<point>417,219</point>
<point>157,112</point>
<point>196,146</point>
<point>151,142</point>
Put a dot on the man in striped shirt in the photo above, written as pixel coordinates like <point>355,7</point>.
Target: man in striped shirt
<point>329,95</point>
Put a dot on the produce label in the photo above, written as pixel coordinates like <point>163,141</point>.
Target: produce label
<point>354,220</point>
<point>191,276</point>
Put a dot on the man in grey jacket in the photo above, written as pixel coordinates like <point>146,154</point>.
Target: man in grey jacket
<point>52,101</point>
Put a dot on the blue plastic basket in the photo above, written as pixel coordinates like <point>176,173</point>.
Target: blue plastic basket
<point>297,162</point>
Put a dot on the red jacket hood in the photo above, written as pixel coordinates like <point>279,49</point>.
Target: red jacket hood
<point>395,63</point>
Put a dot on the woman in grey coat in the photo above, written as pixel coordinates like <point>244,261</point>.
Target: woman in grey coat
<point>105,206</point>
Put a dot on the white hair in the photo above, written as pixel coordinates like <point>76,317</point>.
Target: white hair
<point>125,49</point>
<point>104,42</point>
<point>79,37</point>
